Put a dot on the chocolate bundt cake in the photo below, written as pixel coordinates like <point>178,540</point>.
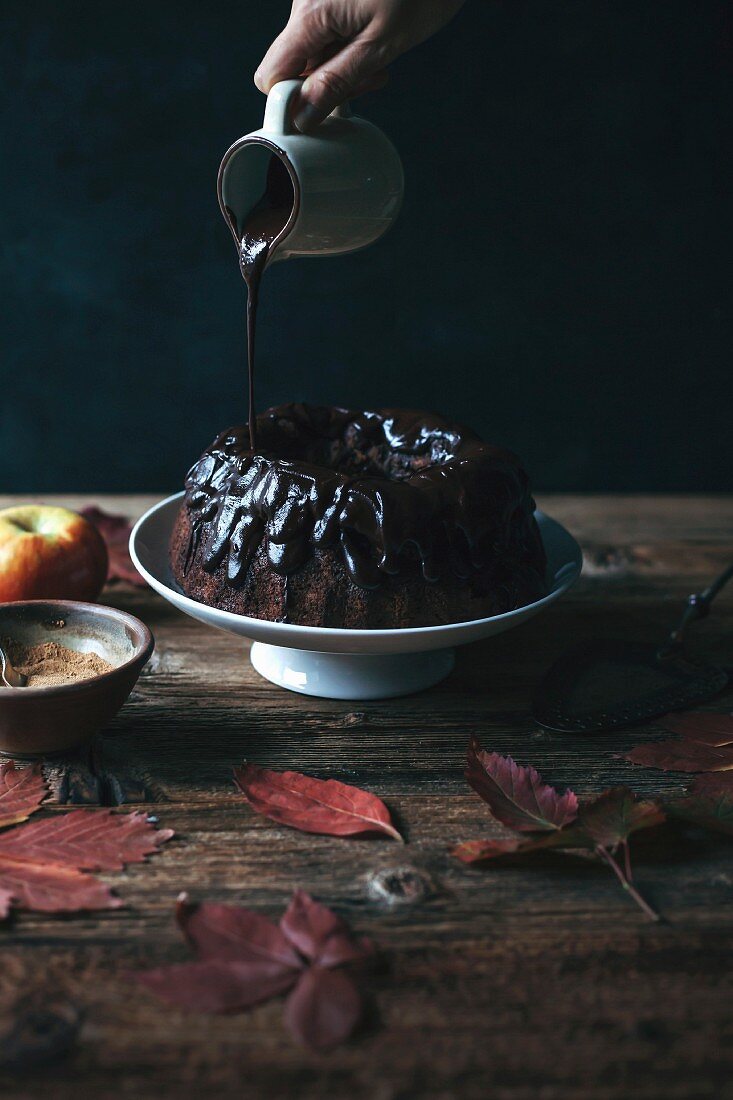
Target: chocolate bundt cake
<point>358,519</point>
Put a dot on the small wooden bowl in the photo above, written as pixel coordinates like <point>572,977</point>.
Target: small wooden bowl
<point>44,721</point>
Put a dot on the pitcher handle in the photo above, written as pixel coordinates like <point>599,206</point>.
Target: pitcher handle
<point>279,108</point>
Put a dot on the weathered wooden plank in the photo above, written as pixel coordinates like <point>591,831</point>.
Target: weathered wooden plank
<point>221,846</point>
<point>521,981</point>
<point>630,1014</point>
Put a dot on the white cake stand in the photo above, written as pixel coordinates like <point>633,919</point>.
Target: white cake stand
<point>338,663</point>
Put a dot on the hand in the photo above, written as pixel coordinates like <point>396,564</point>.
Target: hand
<point>343,48</point>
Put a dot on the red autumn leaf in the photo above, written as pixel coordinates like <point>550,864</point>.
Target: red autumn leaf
<point>708,729</point>
<point>324,1008</point>
<point>612,818</point>
<point>115,530</point>
<point>42,865</point>
<point>313,805</point>
<point>218,985</point>
<point>319,934</point>
<point>50,889</point>
<point>682,756</point>
<point>245,959</point>
<point>230,932</point>
<point>517,796</point>
<point>89,840</point>
<point>22,790</point>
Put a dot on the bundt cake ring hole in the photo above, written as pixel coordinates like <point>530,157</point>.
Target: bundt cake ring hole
<point>363,449</point>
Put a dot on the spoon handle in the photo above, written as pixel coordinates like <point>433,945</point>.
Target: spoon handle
<point>9,676</point>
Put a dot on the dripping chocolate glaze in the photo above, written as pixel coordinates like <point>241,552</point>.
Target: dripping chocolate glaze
<point>397,492</point>
<point>255,237</point>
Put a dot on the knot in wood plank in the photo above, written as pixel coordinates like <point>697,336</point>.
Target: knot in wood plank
<point>355,718</point>
<point>402,885</point>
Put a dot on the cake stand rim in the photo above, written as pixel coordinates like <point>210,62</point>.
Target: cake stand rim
<point>345,639</point>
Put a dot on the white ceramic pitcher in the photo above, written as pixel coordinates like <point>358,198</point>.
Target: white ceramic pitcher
<point>347,178</point>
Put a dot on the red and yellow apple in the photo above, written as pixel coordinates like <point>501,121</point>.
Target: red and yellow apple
<point>49,553</point>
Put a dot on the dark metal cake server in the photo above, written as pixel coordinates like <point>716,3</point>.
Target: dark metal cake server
<point>604,685</point>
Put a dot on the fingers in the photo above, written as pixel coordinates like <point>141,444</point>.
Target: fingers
<point>289,54</point>
<point>353,69</point>
<point>343,49</point>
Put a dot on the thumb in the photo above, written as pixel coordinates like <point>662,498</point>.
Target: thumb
<point>356,66</point>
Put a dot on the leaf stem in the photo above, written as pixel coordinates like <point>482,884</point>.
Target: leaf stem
<point>391,831</point>
<point>627,862</point>
<point>630,889</point>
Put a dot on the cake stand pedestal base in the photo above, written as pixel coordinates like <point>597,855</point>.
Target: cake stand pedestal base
<point>351,675</point>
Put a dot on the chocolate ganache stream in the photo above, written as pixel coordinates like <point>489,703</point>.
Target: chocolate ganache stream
<point>263,224</point>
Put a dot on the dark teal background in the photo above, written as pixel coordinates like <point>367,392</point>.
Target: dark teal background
<point>569,161</point>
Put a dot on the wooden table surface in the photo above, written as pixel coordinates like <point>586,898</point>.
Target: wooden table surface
<point>521,982</point>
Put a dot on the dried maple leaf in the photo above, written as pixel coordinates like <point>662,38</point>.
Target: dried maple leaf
<point>542,818</point>
<point>708,729</point>
<point>115,530</point>
<point>517,796</point>
<point>22,790</point>
<point>606,822</point>
<point>480,851</point>
<point>313,805</point>
<point>245,959</point>
<point>610,819</point>
<point>43,865</point>
<point>682,756</point>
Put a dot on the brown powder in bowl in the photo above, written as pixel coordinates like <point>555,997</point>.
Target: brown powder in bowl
<point>50,664</point>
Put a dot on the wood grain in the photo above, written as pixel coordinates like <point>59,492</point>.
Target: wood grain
<point>515,982</point>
